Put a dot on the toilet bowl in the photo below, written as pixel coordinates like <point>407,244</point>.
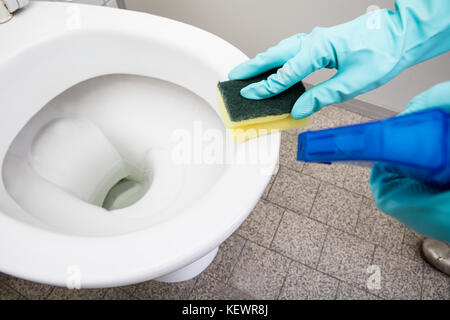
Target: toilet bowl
<point>115,164</point>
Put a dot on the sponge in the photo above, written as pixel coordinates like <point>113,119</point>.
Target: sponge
<point>251,118</point>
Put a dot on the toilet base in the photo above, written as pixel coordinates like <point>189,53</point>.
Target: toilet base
<point>190,271</point>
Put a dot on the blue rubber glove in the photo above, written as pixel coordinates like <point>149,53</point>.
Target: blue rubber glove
<point>367,52</point>
<point>420,207</point>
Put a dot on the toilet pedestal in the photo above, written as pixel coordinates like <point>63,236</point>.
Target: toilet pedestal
<point>190,271</point>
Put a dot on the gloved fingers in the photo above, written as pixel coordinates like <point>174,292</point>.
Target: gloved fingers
<point>276,83</point>
<point>315,53</point>
<point>323,94</point>
<point>437,96</point>
<point>271,58</point>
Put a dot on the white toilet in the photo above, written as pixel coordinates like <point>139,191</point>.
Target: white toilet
<point>97,107</point>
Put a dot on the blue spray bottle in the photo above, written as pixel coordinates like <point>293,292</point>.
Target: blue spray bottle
<point>417,145</point>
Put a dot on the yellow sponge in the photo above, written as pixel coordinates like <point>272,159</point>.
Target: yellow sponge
<point>243,130</point>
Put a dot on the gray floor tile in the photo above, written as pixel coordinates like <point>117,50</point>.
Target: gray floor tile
<point>346,257</point>
<point>294,190</point>
<point>336,207</point>
<point>226,258</point>
<point>60,293</point>
<point>319,120</point>
<point>412,252</point>
<point>331,173</point>
<point>357,180</point>
<point>117,294</point>
<point>330,117</point>
<point>377,227</point>
<point>412,245</point>
<point>259,272</point>
<point>261,224</point>
<point>28,289</point>
<point>401,278</point>
<point>348,292</point>
<point>412,238</point>
<point>156,290</point>
<point>300,238</point>
<point>288,151</point>
<point>294,131</point>
<point>6,293</point>
<point>307,284</point>
<point>436,285</point>
<point>367,119</point>
<point>208,288</point>
<point>341,117</point>
<point>129,289</point>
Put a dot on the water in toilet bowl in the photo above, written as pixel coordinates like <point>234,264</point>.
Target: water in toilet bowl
<point>104,147</point>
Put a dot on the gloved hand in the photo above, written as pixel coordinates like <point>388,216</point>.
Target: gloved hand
<point>367,52</point>
<point>420,207</point>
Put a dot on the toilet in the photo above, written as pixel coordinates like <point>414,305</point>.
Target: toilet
<point>115,164</point>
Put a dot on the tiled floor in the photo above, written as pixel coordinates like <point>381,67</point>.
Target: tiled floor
<point>313,235</point>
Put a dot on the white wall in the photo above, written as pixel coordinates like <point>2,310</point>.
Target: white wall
<point>254,25</point>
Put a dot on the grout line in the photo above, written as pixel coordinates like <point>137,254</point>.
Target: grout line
<point>284,279</point>
<point>273,204</point>
<point>276,230</point>
<point>327,182</point>
<point>237,261</point>
<point>302,213</point>
<point>372,259</point>
<point>337,290</point>
<point>49,293</point>
<point>119,289</point>
<point>132,291</point>
<point>191,290</point>
<point>268,192</point>
<point>321,249</point>
<point>423,279</point>
<point>13,289</point>
<point>225,281</point>
<point>314,200</point>
<point>404,236</point>
<point>359,214</point>
<point>104,294</point>
<point>131,295</point>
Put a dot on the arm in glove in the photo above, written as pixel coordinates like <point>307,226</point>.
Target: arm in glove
<point>367,52</point>
<point>420,207</point>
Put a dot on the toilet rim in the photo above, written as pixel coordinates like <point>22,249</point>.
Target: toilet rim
<point>45,256</point>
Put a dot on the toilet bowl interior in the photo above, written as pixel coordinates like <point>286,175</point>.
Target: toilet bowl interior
<point>115,154</point>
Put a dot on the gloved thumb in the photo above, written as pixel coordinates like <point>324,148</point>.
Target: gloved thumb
<point>437,96</point>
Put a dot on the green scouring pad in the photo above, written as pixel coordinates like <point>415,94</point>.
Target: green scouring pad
<point>238,111</point>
